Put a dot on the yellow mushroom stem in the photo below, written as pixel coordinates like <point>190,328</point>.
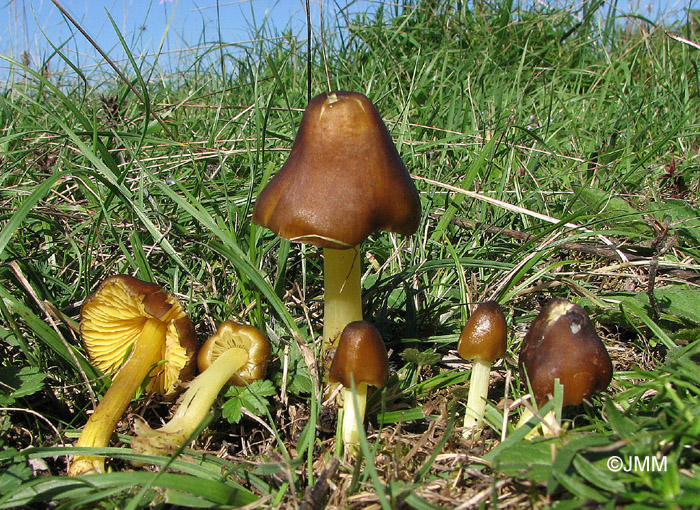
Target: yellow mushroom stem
<point>192,409</point>
<point>550,425</point>
<point>342,299</point>
<point>353,415</point>
<point>524,418</point>
<point>99,428</point>
<point>478,393</point>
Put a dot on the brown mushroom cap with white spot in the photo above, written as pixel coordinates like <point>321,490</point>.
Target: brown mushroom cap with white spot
<point>562,343</point>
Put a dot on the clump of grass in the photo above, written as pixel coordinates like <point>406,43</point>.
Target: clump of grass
<point>555,154</point>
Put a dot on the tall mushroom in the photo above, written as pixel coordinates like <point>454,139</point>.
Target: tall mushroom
<point>236,354</point>
<point>343,180</point>
<point>360,359</point>
<point>136,330</point>
<point>561,343</point>
<point>483,340</point>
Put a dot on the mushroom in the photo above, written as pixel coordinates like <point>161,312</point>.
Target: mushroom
<point>360,359</point>
<point>139,331</point>
<point>236,354</point>
<point>562,344</point>
<point>483,340</point>
<point>343,180</point>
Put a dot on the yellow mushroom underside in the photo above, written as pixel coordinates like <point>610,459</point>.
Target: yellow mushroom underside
<point>118,314</point>
<point>122,337</point>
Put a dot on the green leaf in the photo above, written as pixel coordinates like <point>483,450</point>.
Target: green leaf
<point>601,478</point>
<point>297,376</point>
<point>90,487</point>
<point>14,475</point>
<point>679,300</point>
<point>681,216</point>
<point>402,416</point>
<point>263,388</point>
<point>516,439</point>
<point>231,410</point>
<point>565,456</point>
<point>424,358</point>
<point>623,426</point>
<point>19,382</point>
<point>633,306</point>
<point>27,205</point>
<point>526,459</point>
<point>611,210</point>
<point>251,397</point>
<point>300,384</point>
<point>43,331</point>
<point>577,487</point>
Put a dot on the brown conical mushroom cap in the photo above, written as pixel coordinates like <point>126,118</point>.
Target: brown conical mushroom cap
<point>343,179</point>
<point>112,319</point>
<point>231,334</point>
<point>361,353</point>
<point>484,337</point>
<point>562,343</point>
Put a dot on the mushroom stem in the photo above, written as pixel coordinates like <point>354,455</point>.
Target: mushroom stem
<point>526,417</point>
<point>478,392</point>
<point>352,415</point>
<point>549,425</point>
<point>101,425</point>
<point>342,296</point>
<point>192,409</point>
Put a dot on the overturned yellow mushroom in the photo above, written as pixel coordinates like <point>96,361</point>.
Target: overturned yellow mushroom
<point>236,354</point>
<point>136,330</point>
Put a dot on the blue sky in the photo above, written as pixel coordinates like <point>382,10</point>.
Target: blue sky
<point>179,24</point>
<point>183,24</point>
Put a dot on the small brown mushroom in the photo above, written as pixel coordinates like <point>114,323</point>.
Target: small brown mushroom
<point>483,340</point>
<point>343,180</point>
<point>360,359</point>
<point>138,330</point>
<point>562,343</point>
<point>236,354</point>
